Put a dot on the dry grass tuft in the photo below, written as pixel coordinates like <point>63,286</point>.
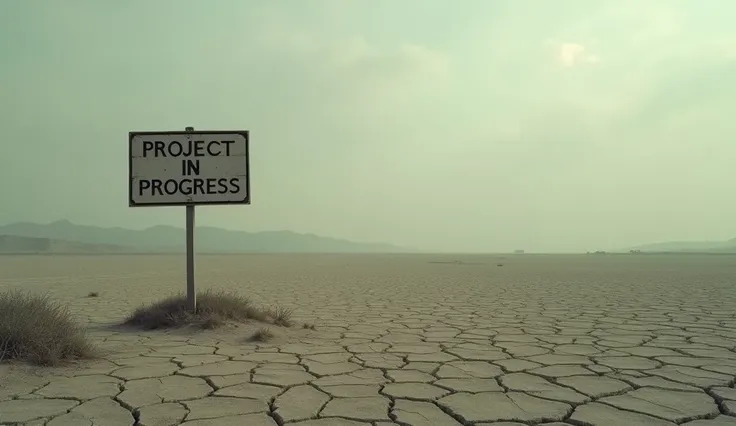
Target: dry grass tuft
<point>214,309</point>
<point>35,329</point>
<point>281,316</point>
<point>93,294</point>
<point>213,321</point>
<point>261,335</point>
<point>307,326</point>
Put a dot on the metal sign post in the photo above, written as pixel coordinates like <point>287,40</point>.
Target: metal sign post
<point>191,286</point>
<point>188,168</point>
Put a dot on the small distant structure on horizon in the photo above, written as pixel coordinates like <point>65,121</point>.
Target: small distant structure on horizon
<point>635,251</point>
<point>518,251</point>
<point>597,252</point>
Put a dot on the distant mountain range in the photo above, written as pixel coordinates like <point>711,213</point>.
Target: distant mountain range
<point>728,246</point>
<point>14,244</point>
<point>63,236</point>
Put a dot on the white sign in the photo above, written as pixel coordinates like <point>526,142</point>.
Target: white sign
<point>180,168</point>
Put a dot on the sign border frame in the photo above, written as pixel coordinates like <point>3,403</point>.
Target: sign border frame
<point>244,133</point>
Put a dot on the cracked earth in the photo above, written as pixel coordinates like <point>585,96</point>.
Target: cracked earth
<point>399,340</point>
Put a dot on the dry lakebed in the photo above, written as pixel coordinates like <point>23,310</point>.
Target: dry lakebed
<point>424,340</point>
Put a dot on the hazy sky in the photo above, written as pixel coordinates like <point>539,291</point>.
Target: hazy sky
<point>472,125</point>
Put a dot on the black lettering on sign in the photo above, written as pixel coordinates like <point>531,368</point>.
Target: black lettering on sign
<point>189,183</point>
<point>227,147</point>
<point>185,186</point>
<point>171,187</point>
<point>199,186</point>
<point>143,185</point>
<point>222,186</point>
<point>235,185</point>
<point>190,167</point>
<point>156,146</point>
<point>211,150</point>
<point>175,149</point>
<point>189,148</point>
<point>188,186</point>
<point>159,148</point>
<point>156,187</point>
<point>147,146</point>
<point>211,185</point>
<point>198,148</point>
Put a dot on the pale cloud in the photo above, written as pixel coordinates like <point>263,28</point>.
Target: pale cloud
<point>404,65</point>
<point>361,61</point>
<point>572,54</point>
<point>336,71</point>
<point>382,120</point>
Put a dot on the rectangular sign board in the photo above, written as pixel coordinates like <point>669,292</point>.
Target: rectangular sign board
<point>188,168</point>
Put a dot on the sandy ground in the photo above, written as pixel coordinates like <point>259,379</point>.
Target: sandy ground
<point>402,340</point>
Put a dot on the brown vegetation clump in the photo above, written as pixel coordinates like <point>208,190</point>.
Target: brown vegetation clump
<point>214,309</point>
<point>35,329</point>
<point>93,294</point>
<point>281,316</point>
<point>261,335</point>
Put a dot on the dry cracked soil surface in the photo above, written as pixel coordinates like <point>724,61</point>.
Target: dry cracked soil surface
<point>399,340</point>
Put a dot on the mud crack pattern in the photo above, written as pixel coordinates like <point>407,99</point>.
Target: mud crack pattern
<point>399,340</point>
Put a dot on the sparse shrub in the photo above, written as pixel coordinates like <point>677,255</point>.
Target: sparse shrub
<point>212,322</point>
<point>281,316</point>
<point>214,308</point>
<point>308,326</point>
<point>261,335</point>
<point>93,294</point>
<point>36,329</point>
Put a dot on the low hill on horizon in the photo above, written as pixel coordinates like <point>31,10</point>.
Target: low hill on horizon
<point>728,246</point>
<point>13,244</point>
<point>164,238</point>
